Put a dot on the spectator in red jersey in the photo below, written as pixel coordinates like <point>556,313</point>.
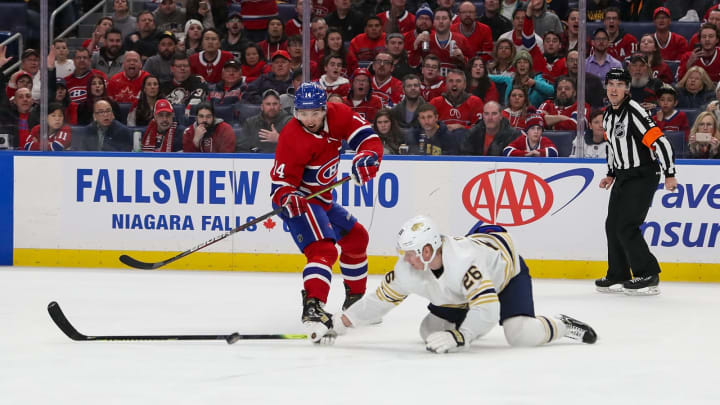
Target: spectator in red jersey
<point>208,133</point>
<point>346,19</point>
<point>364,47</point>
<point>78,82</point>
<point>560,114</point>
<point>456,108</point>
<point>318,33</point>
<point>667,117</point>
<point>478,35</point>
<point>212,13</point>
<point>532,143</point>
<point>660,70</point>
<point>229,90</point>
<point>294,25</point>
<point>695,88</point>
<point>416,39</point>
<point>516,34</point>
<point>405,112</point>
<point>643,87</point>
<point>384,85</point>
<point>621,45</point>
<point>253,62</point>
<point>706,55</point>
<point>63,97</point>
<point>125,86</point>
<point>18,117</point>
<point>388,131</point>
<point>433,137</point>
<point>110,58</point>
<point>332,81</point>
<point>361,98</point>
<point>713,18</point>
<point>97,41</point>
<point>321,8</point>
<point>162,133</point>
<point>275,38</point>
<point>398,18</point>
<point>555,60</point>
<point>672,45</point>
<point>395,47</point>
<point>209,62</point>
<point>142,110</point>
<point>518,107</point>
<point>279,79</point>
<point>432,85</point>
<point>450,47</point>
<point>492,134</point>
<point>95,90</point>
<point>704,139</point>
<point>144,40</point>
<point>59,133</point>
<point>502,57</point>
<point>479,84</point>
<point>295,50</point>
<point>192,43</point>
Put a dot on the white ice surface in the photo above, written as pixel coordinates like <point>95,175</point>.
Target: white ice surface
<point>651,350</point>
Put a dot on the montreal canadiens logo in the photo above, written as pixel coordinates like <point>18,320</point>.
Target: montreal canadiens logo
<point>327,172</point>
<point>512,197</point>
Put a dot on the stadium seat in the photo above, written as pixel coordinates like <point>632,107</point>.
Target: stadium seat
<point>124,111</point>
<point>180,114</point>
<point>563,141</point>
<point>677,139</point>
<point>225,112</point>
<point>691,113</point>
<point>13,18</point>
<point>151,5</point>
<point>286,11</point>
<point>244,111</point>
<point>79,133</point>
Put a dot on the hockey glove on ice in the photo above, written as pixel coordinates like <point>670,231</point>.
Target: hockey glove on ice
<point>445,341</point>
<point>295,205</point>
<point>364,166</point>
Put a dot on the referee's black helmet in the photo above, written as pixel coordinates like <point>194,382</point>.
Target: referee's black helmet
<point>618,74</point>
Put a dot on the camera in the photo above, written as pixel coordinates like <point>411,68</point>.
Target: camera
<point>4,141</point>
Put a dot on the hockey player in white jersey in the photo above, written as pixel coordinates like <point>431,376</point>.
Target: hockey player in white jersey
<point>472,282</point>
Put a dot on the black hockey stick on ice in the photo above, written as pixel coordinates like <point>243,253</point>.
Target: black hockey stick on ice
<point>151,266</point>
<point>62,322</point>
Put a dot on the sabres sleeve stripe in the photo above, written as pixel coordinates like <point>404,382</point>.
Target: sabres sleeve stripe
<point>387,294</point>
<point>359,136</point>
<point>484,300</point>
<point>487,291</point>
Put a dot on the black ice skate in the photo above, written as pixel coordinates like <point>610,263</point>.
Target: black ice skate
<point>578,330</point>
<point>317,322</point>
<point>350,299</point>
<point>642,285</point>
<point>606,285</point>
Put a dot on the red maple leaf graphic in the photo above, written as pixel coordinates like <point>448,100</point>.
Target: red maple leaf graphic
<point>269,223</point>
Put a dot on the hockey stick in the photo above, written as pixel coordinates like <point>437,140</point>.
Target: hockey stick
<point>62,322</point>
<point>151,266</point>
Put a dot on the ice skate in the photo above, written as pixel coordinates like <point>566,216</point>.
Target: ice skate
<point>606,285</point>
<point>318,323</point>
<point>351,299</point>
<point>578,330</point>
<point>642,285</point>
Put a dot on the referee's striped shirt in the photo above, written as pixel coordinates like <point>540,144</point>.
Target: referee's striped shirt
<point>634,140</point>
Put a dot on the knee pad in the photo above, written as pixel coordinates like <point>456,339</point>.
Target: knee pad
<point>356,241</point>
<point>431,324</point>
<point>523,331</point>
<point>322,251</point>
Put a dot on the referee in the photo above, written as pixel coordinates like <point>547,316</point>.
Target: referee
<point>637,151</point>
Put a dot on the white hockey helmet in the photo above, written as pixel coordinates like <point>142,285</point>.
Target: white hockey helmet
<point>416,233</point>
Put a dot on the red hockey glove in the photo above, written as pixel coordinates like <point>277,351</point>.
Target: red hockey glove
<point>365,166</point>
<point>295,205</point>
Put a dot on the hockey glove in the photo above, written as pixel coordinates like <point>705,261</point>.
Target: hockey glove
<point>295,205</point>
<point>364,166</point>
<point>445,341</point>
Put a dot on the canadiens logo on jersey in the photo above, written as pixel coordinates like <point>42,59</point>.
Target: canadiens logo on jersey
<point>78,93</point>
<point>322,175</point>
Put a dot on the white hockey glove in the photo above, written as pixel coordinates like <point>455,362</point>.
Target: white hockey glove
<point>318,333</point>
<point>445,341</point>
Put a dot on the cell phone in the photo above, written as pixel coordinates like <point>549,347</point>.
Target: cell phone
<point>698,46</point>
<point>703,137</point>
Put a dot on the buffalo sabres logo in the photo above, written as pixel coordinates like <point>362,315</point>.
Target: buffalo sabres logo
<point>619,130</point>
<point>327,172</point>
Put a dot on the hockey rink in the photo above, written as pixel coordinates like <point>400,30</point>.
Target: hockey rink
<point>651,350</point>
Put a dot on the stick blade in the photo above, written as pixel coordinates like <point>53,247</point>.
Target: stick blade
<point>129,261</point>
<point>62,322</point>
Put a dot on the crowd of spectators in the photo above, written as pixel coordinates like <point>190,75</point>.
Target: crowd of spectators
<point>433,78</point>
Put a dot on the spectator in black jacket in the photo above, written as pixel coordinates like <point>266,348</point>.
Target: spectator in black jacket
<point>492,134</point>
<point>105,133</point>
<point>277,79</point>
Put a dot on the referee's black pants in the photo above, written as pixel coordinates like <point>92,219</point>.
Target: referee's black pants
<point>630,199</point>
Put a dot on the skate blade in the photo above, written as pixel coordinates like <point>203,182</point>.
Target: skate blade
<point>654,290</point>
<point>613,289</point>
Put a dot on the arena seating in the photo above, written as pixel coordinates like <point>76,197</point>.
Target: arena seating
<point>563,141</point>
<point>225,112</point>
<point>124,111</point>
<point>691,113</point>
<point>244,111</point>
<point>677,139</point>
<point>13,19</point>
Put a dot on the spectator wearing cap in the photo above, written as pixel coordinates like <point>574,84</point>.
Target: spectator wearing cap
<point>19,80</point>
<point>492,18</point>
<point>643,87</point>
<point>159,64</point>
<point>184,88</point>
<point>124,87</point>
<point>144,40</point>
<point>432,137</point>
<point>261,132</point>
<point>705,56</point>
<point>122,19</point>
<point>209,62</point>
<point>600,62</point>
<point>421,34</point>
<point>162,133</point>
<point>667,117</point>
<point>278,79</point>
<point>348,20</point>
<point>384,85</point>
<point>531,143</point>
<point>478,35</point>
<point>235,40</point>
<point>229,90</point>
<point>208,133</point>
<point>332,81</point>
<point>275,38</point>
<point>397,18</point>
<point>365,46</point>
<point>621,45</point>
<point>395,44</point>
<point>110,58</point>
<point>192,41</point>
<point>672,45</point>
<point>361,98</point>
<point>141,112</point>
<point>169,16</point>
<point>105,133</point>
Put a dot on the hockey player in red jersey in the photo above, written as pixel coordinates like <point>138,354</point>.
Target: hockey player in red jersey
<point>306,160</point>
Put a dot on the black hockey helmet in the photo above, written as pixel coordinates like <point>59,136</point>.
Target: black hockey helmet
<point>618,74</point>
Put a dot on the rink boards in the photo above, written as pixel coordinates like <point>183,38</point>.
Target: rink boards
<point>84,210</point>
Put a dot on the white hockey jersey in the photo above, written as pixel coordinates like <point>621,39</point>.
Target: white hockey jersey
<point>476,269</point>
